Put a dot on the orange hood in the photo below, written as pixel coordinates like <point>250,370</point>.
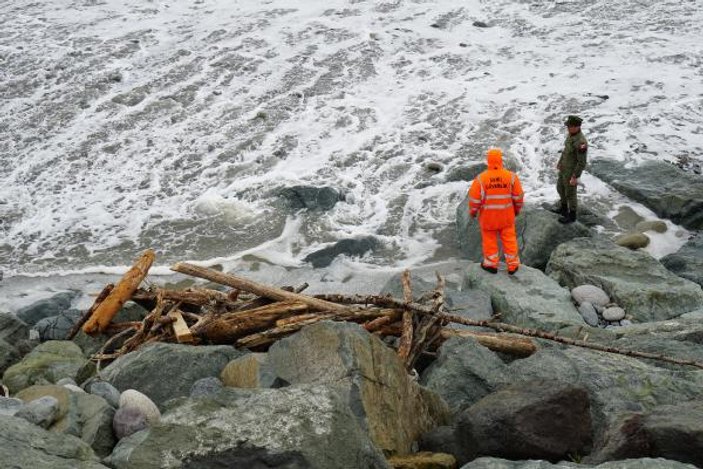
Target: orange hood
<point>494,158</point>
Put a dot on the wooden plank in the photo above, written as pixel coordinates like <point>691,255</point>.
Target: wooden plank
<point>180,328</point>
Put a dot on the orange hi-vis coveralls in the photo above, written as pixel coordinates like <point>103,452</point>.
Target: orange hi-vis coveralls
<point>496,196</point>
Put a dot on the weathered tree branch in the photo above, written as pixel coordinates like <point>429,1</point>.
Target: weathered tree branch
<point>259,288</point>
<point>122,292</point>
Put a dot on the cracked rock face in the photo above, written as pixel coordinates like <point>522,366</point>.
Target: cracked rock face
<point>297,427</point>
<point>393,409</point>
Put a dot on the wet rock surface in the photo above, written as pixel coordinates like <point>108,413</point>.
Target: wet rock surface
<point>304,426</point>
<point>528,299</point>
<point>635,280</point>
<point>165,371</point>
<point>369,377</point>
<point>687,262</point>
<point>662,187</point>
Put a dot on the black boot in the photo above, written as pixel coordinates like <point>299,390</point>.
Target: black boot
<point>488,269</point>
<point>560,210</point>
<point>569,217</point>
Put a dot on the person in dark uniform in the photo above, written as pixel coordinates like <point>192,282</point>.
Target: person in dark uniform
<point>570,166</point>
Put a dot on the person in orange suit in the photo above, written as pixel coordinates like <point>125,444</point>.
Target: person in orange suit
<point>496,197</point>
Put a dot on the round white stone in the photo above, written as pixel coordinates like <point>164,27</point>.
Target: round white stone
<point>136,400</point>
<point>614,313</point>
<point>590,294</point>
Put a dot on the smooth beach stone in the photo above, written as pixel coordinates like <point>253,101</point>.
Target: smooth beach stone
<point>633,240</point>
<point>128,420</point>
<point>657,226</point>
<point>589,314</point>
<point>614,313</point>
<point>137,400</point>
<point>590,294</point>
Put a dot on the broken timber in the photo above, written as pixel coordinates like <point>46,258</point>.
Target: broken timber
<point>201,315</point>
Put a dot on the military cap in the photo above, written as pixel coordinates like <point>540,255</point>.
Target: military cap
<point>573,120</point>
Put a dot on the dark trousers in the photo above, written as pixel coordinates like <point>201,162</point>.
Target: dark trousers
<point>567,192</point>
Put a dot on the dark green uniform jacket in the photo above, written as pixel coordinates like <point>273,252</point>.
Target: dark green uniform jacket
<point>573,157</point>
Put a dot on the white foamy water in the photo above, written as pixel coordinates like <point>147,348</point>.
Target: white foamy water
<point>174,125</point>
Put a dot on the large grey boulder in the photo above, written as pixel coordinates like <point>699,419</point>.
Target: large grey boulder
<point>687,327</point>
<point>633,279</point>
<point>644,463</point>
<point>311,198</point>
<point>616,383</point>
<point>9,355</point>
<point>464,372</point>
<point>538,232</point>
<point>677,338</point>
<point>57,327</point>
<point>423,279</point>
<point>164,371</point>
<point>348,247</point>
<point>46,308</point>
<point>392,408</point>
<point>468,303</point>
<point>543,419</point>
<point>250,371</point>
<point>465,172</point>
<point>24,445</point>
<point>46,364</point>
<point>297,427</point>
<point>83,415</point>
<point>687,262</point>
<point>665,189</point>
<point>12,329</point>
<point>529,298</point>
<point>670,431</point>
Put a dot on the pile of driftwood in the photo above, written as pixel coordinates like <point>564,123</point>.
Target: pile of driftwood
<point>253,315</point>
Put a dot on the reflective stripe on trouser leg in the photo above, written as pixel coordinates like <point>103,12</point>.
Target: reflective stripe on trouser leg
<point>489,241</point>
<point>510,247</point>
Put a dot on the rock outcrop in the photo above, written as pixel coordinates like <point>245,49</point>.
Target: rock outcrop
<point>662,187</point>
<point>634,280</point>
<point>392,408</point>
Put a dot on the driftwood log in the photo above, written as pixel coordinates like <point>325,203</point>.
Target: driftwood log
<point>201,315</point>
<point>110,306</point>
